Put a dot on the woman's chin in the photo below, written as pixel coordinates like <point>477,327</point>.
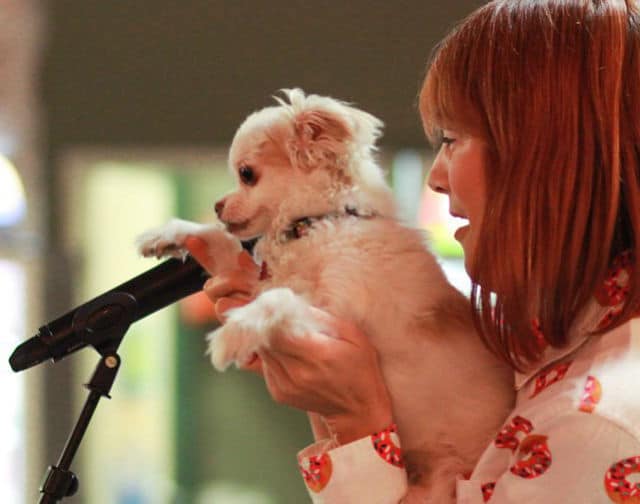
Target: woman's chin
<point>462,235</point>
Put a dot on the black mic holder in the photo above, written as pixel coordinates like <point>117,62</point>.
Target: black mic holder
<point>59,482</point>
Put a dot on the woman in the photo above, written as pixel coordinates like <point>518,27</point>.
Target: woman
<point>536,107</point>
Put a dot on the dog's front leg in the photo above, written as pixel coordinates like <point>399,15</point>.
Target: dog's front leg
<point>169,240</point>
<point>250,327</point>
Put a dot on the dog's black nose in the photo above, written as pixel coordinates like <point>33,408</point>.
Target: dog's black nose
<point>219,207</point>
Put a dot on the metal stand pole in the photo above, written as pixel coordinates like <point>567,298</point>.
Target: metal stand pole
<point>60,482</point>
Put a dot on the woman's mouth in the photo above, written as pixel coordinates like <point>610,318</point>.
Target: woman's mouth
<point>461,232</point>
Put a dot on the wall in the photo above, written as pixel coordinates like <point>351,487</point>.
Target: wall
<point>185,72</point>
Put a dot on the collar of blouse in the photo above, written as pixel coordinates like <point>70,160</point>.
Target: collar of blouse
<point>607,302</point>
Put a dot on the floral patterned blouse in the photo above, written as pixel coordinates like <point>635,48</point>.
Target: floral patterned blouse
<point>573,437</point>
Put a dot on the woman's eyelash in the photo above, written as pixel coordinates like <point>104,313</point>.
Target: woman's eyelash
<point>441,139</point>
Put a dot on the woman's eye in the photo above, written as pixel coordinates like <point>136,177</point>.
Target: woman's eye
<point>247,175</point>
<point>446,143</point>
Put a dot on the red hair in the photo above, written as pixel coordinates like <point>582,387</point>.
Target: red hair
<point>553,87</point>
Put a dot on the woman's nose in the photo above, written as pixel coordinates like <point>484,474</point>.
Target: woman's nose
<point>438,179</point>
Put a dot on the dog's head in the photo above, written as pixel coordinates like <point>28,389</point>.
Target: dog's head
<point>307,156</point>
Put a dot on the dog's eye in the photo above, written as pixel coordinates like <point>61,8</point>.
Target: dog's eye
<point>247,175</point>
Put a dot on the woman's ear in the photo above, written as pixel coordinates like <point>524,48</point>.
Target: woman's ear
<point>320,138</point>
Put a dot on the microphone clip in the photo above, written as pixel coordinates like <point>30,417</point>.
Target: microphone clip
<point>103,322</point>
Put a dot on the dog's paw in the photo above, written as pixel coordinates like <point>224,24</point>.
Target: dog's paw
<point>251,327</point>
<point>168,240</point>
<point>233,343</point>
<point>218,352</point>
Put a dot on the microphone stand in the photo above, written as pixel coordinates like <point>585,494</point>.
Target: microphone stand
<point>103,323</point>
<point>114,313</point>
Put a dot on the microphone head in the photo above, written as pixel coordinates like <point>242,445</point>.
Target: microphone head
<point>27,354</point>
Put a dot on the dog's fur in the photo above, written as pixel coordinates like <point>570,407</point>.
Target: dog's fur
<point>313,157</point>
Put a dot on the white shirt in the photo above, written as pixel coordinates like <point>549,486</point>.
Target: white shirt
<point>573,437</point>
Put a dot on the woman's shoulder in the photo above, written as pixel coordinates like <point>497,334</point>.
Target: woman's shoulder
<point>599,379</point>
<point>611,364</point>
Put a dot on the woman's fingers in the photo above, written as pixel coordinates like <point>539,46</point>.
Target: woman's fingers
<point>246,262</point>
<point>339,328</point>
<point>281,380</point>
<point>230,282</point>
<point>198,249</point>
<point>334,334</point>
<point>227,289</point>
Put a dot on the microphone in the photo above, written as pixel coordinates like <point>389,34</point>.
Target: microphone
<point>97,321</point>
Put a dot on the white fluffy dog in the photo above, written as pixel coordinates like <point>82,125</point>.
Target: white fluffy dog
<point>310,190</point>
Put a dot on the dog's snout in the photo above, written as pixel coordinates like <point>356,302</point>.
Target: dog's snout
<point>219,207</point>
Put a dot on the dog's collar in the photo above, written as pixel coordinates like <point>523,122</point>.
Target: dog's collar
<point>301,227</point>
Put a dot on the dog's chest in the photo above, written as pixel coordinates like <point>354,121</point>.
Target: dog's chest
<point>291,270</point>
<point>308,263</point>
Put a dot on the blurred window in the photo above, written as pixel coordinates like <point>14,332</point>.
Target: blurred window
<point>420,206</point>
<point>12,420</point>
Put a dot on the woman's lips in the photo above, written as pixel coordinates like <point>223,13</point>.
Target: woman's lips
<point>461,232</point>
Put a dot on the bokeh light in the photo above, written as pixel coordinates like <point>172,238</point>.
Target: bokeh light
<point>13,205</point>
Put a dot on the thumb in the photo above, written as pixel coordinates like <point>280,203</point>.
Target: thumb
<point>338,328</point>
<point>197,247</point>
<point>246,262</point>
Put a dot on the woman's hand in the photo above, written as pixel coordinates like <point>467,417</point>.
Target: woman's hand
<point>336,376</point>
<point>228,289</point>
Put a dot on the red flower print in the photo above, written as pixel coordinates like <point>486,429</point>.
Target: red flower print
<point>590,395</point>
<point>487,490</point>
<point>538,457</point>
<point>385,443</point>
<point>619,488</point>
<point>611,314</point>
<point>549,377</point>
<point>615,288</point>
<point>316,471</point>
<point>507,436</point>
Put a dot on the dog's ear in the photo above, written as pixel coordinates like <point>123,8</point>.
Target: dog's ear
<point>320,139</point>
